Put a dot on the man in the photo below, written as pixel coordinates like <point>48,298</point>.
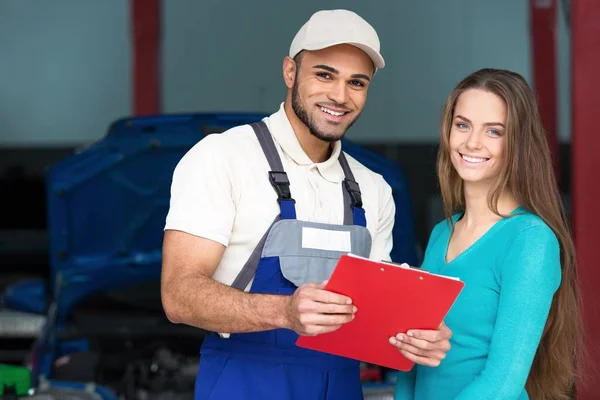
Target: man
<point>259,216</point>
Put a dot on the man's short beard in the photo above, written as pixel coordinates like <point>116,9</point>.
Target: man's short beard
<point>302,114</point>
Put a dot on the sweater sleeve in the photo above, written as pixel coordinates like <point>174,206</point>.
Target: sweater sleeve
<point>530,275</point>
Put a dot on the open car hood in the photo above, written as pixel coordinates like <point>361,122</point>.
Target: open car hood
<point>107,203</point>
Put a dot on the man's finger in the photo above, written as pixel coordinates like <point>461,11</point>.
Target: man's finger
<point>315,307</point>
<point>330,308</point>
<point>326,319</point>
<point>325,296</point>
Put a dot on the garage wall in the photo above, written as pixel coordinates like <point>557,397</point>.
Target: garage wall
<point>65,65</point>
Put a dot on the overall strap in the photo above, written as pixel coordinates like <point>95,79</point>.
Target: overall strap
<point>277,175</point>
<point>354,214</point>
<point>281,184</point>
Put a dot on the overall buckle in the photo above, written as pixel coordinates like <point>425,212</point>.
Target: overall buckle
<point>354,190</point>
<point>281,184</point>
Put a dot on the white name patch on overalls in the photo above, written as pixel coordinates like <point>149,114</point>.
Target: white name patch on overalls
<point>323,239</point>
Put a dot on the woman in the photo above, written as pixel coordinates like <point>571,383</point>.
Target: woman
<point>516,324</point>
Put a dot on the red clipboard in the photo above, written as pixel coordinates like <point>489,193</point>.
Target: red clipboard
<point>390,299</point>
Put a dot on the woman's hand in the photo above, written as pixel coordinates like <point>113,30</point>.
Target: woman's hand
<point>424,347</point>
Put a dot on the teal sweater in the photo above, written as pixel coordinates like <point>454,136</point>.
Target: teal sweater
<point>511,274</point>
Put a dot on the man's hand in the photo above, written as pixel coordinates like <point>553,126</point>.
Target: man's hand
<point>424,347</point>
<point>312,310</point>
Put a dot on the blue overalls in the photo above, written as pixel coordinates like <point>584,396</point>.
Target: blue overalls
<point>268,365</point>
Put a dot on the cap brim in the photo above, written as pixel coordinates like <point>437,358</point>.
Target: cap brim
<point>377,59</point>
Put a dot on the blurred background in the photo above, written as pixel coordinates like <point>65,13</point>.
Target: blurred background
<point>99,99</point>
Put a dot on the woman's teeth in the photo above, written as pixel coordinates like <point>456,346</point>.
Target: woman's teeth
<point>473,159</point>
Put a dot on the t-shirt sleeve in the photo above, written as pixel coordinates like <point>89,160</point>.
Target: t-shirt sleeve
<point>530,275</point>
<point>202,195</point>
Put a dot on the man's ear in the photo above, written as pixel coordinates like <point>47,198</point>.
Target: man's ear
<point>289,72</point>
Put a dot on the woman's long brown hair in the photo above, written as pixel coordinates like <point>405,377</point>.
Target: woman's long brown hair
<point>529,175</point>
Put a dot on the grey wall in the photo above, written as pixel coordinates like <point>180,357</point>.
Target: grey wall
<point>64,70</point>
<point>65,64</point>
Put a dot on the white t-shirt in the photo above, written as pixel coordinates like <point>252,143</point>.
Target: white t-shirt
<point>221,191</point>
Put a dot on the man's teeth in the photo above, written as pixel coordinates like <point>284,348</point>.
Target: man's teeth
<point>335,113</point>
<point>473,159</point>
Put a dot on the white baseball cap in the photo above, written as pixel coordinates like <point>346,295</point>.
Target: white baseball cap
<point>332,27</point>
